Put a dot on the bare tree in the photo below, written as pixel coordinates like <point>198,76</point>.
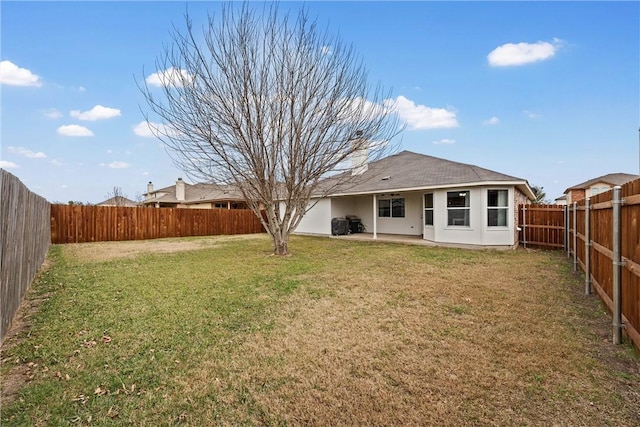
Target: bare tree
<point>269,103</point>
<point>118,196</point>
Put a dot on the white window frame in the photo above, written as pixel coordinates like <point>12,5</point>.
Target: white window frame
<point>498,208</point>
<point>428,209</point>
<point>391,200</point>
<point>452,209</point>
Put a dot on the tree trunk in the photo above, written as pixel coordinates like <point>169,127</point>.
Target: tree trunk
<point>280,246</point>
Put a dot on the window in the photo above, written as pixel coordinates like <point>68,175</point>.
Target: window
<point>384,208</point>
<point>391,208</point>
<point>458,211</point>
<point>498,208</point>
<point>220,205</point>
<point>428,209</point>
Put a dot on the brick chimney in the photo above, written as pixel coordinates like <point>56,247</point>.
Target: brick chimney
<point>180,190</point>
<point>150,188</point>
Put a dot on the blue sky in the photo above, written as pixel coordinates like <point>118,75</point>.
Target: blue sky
<point>545,91</point>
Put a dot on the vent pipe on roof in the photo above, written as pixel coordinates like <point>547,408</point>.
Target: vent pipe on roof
<point>359,155</point>
<point>180,190</point>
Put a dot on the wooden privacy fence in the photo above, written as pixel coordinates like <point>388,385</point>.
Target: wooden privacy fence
<point>77,224</point>
<point>24,241</point>
<point>602,235</point>
<point>542,226</point>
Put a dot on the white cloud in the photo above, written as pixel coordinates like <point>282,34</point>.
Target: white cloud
<point>8,165</point>
<point>56,162</point>
<point>12,75</point>
<point>169,77</point>
<point>445,141</point>
<point>96,113</point>
<point>74,130</point>
<point>531,114</point>
<point>326,50</point>
<point>118,165</point>
<point>418,117</point>
<point>52,114</point>
<point>153,130</point>
<point>25,152</point>
<point>514,54</point>
<point>492,121</point>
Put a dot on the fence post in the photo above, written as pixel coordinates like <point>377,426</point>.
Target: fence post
<point>617,264</point>
<point>524,225</point>
<point>587,248</point>
<point>575,236</point>
<point>566,229</point>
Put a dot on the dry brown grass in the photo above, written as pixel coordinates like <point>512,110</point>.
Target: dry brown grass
<point>498,339</point>
<point>107,251</point>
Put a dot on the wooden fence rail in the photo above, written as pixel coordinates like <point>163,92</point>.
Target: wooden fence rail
<point>586,231</point>
<point>24,240</point>
<point>77,224</point>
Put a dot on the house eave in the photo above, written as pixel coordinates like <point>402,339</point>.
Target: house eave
<point>522,185</point>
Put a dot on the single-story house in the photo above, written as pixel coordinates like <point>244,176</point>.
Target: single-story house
<point>194,196</point>
<point>118,201</point>
<point>596,186</point>
<point>442,201</point>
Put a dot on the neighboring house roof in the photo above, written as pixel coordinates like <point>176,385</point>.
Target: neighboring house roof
<point>407,170</point>
<point>612,179</point>
<point>118,201</point>
<point>197,193</point>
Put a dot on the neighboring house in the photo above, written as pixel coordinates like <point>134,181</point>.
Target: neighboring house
<point>596,186</point>
<point>443,201</point>
<point>197,196</point>
<point>562,200</point>
<point>119,201</point>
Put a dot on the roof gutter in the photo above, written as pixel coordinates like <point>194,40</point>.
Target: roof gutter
<point>522,186</point>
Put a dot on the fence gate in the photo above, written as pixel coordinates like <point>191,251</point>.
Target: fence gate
<point>542,226</point>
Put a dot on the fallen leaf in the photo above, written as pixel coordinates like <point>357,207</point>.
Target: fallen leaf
<point>106,339</point>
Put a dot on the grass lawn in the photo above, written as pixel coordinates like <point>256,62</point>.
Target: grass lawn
<point>216,331</point>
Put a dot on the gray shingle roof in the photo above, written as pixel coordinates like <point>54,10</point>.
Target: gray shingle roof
<point>199,193</point>
<point>408,170</point>
<point>611,179</point>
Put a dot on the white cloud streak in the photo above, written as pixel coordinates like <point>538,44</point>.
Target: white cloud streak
<point>153,130</point>
<point>96,113</point>
<point>420,117</point>
<point>74,130</point>
<point>12,75</point>
<point>516,54</point>
<point>4,164</point>
<point>25,152</point>
<point>119,165</point>
<point>445,141</point>
<point>492,121</point>
<point>52,114</point>
<point>169,77</point>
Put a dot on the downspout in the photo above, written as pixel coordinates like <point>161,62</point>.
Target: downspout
<point>375,220</point>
